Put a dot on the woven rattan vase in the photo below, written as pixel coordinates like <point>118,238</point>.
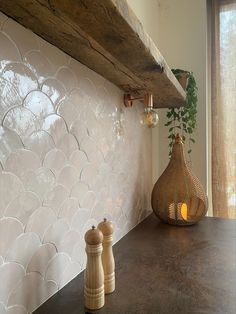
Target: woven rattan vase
<point>178,197</point>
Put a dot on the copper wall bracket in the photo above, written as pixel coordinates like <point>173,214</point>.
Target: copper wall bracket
<point>147,98</point>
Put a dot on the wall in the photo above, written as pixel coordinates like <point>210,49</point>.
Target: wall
<point>178,28</point>
<point>70,154</point>
<point>182,41</point>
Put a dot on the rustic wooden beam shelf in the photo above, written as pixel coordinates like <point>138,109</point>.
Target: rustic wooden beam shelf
<point>107,37</point>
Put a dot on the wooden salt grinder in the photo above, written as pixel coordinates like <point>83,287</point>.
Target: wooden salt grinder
<point>94,274</point>
<point>107,255</point>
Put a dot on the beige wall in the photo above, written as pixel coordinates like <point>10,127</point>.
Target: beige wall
<point>178,27</point>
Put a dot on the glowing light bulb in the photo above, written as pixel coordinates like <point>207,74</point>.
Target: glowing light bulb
<point>149,117</point>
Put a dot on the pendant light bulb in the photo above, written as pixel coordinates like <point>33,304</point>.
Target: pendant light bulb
<point>149,117</point>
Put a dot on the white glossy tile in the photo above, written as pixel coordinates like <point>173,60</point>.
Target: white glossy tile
<point>39,104</point>
<point>16,309</point>
<point>22,295</point>
<point>10,275</point>
<point>56,232</point>
<point>79,191</point>
<point>9,97</point>
<point>10,187</point>
<point>74,150</point>
<point>55,160</point>
<point>21,161</point>
<point>40,260</point>
<point>21,120</point>
<point>79,219</point>
<point>55,197</point>
<point>21,77</point>
<point>67,77</point>
<point>68,144</point>
<point>68,242</point>
<point>79,160</point>
<point>23,248</point>
<point>9,141</point>
<point>39,64</point>
<point>9,51</point>
<point>68,209</point>
<point>68,176</point>
<point>55,126</point>
<point>54,89</point>
<point>46,216</point>
<point>10,229</point>
<point>39,142</point>
<point>23,206</point>
<point>56,267</point>
<point>69,273</point>
<point>41,181</point>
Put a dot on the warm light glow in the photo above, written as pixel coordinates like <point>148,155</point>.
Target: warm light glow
<point>184,211</point>
<point>149,118</point>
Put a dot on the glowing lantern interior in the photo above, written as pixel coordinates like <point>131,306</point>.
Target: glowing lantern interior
<point>184,211</point>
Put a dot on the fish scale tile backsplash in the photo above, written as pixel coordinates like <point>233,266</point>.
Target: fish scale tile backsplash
<point>70,154</point>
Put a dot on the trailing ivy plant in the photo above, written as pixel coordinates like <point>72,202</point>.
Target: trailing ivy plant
<point>183,120</point>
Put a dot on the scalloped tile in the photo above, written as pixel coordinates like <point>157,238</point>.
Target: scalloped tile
<point>79,160</point>
<point>22,120</point>
<point>55,197</point>
<point>9,97</point>
<point>56,267</point>
<point>23,206</point>
<point>16,309</point>
<point>46,216</point>
<point>23,248</point>
<point>68,176</point>
<point>9,142</point>
<point>10,275</point>
<point>68,209</point>
<point>79,219</point>
<point>54,90</point>
<point>69,273</point>
<point>56,232</point>
<point>21,36</point>
<point>21,161</point>
<point>39,142</point>
<point>10,229</point>
<point>23,295</point>
<point>68,242</point>
<point>41,181</point>
<point>10,187</point>
<point>79,191</point>
<point>68,144</point>
<point>68,111</point>
<point>9,50</point>
<point>55,126</point>
<point>40,260</point>
<point>21,77</point>
<point>55,160</point>
<point>39,104</point>
<point>71,136</point>
<point>39,64</point>
<point>67,77</point>
<point>3,19</point>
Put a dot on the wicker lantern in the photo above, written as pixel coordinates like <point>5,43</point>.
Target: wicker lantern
<point>178,197</point>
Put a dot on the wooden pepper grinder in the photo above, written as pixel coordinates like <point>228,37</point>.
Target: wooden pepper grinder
<point>94,274</point>
<point>107,255</point>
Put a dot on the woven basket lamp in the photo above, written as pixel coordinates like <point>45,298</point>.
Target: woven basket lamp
<point>178,197</point>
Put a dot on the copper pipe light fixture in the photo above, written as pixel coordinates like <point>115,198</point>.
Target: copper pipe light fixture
<point>148,117</point>
<point>178,197</point>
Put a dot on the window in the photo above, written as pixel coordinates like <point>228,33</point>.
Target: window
<point>223,104</point>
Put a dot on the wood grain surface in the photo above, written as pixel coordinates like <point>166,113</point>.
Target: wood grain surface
<point>107,37</point>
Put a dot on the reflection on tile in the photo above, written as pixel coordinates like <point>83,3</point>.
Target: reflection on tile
<point>21,77</point>
<point>64,165</point>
